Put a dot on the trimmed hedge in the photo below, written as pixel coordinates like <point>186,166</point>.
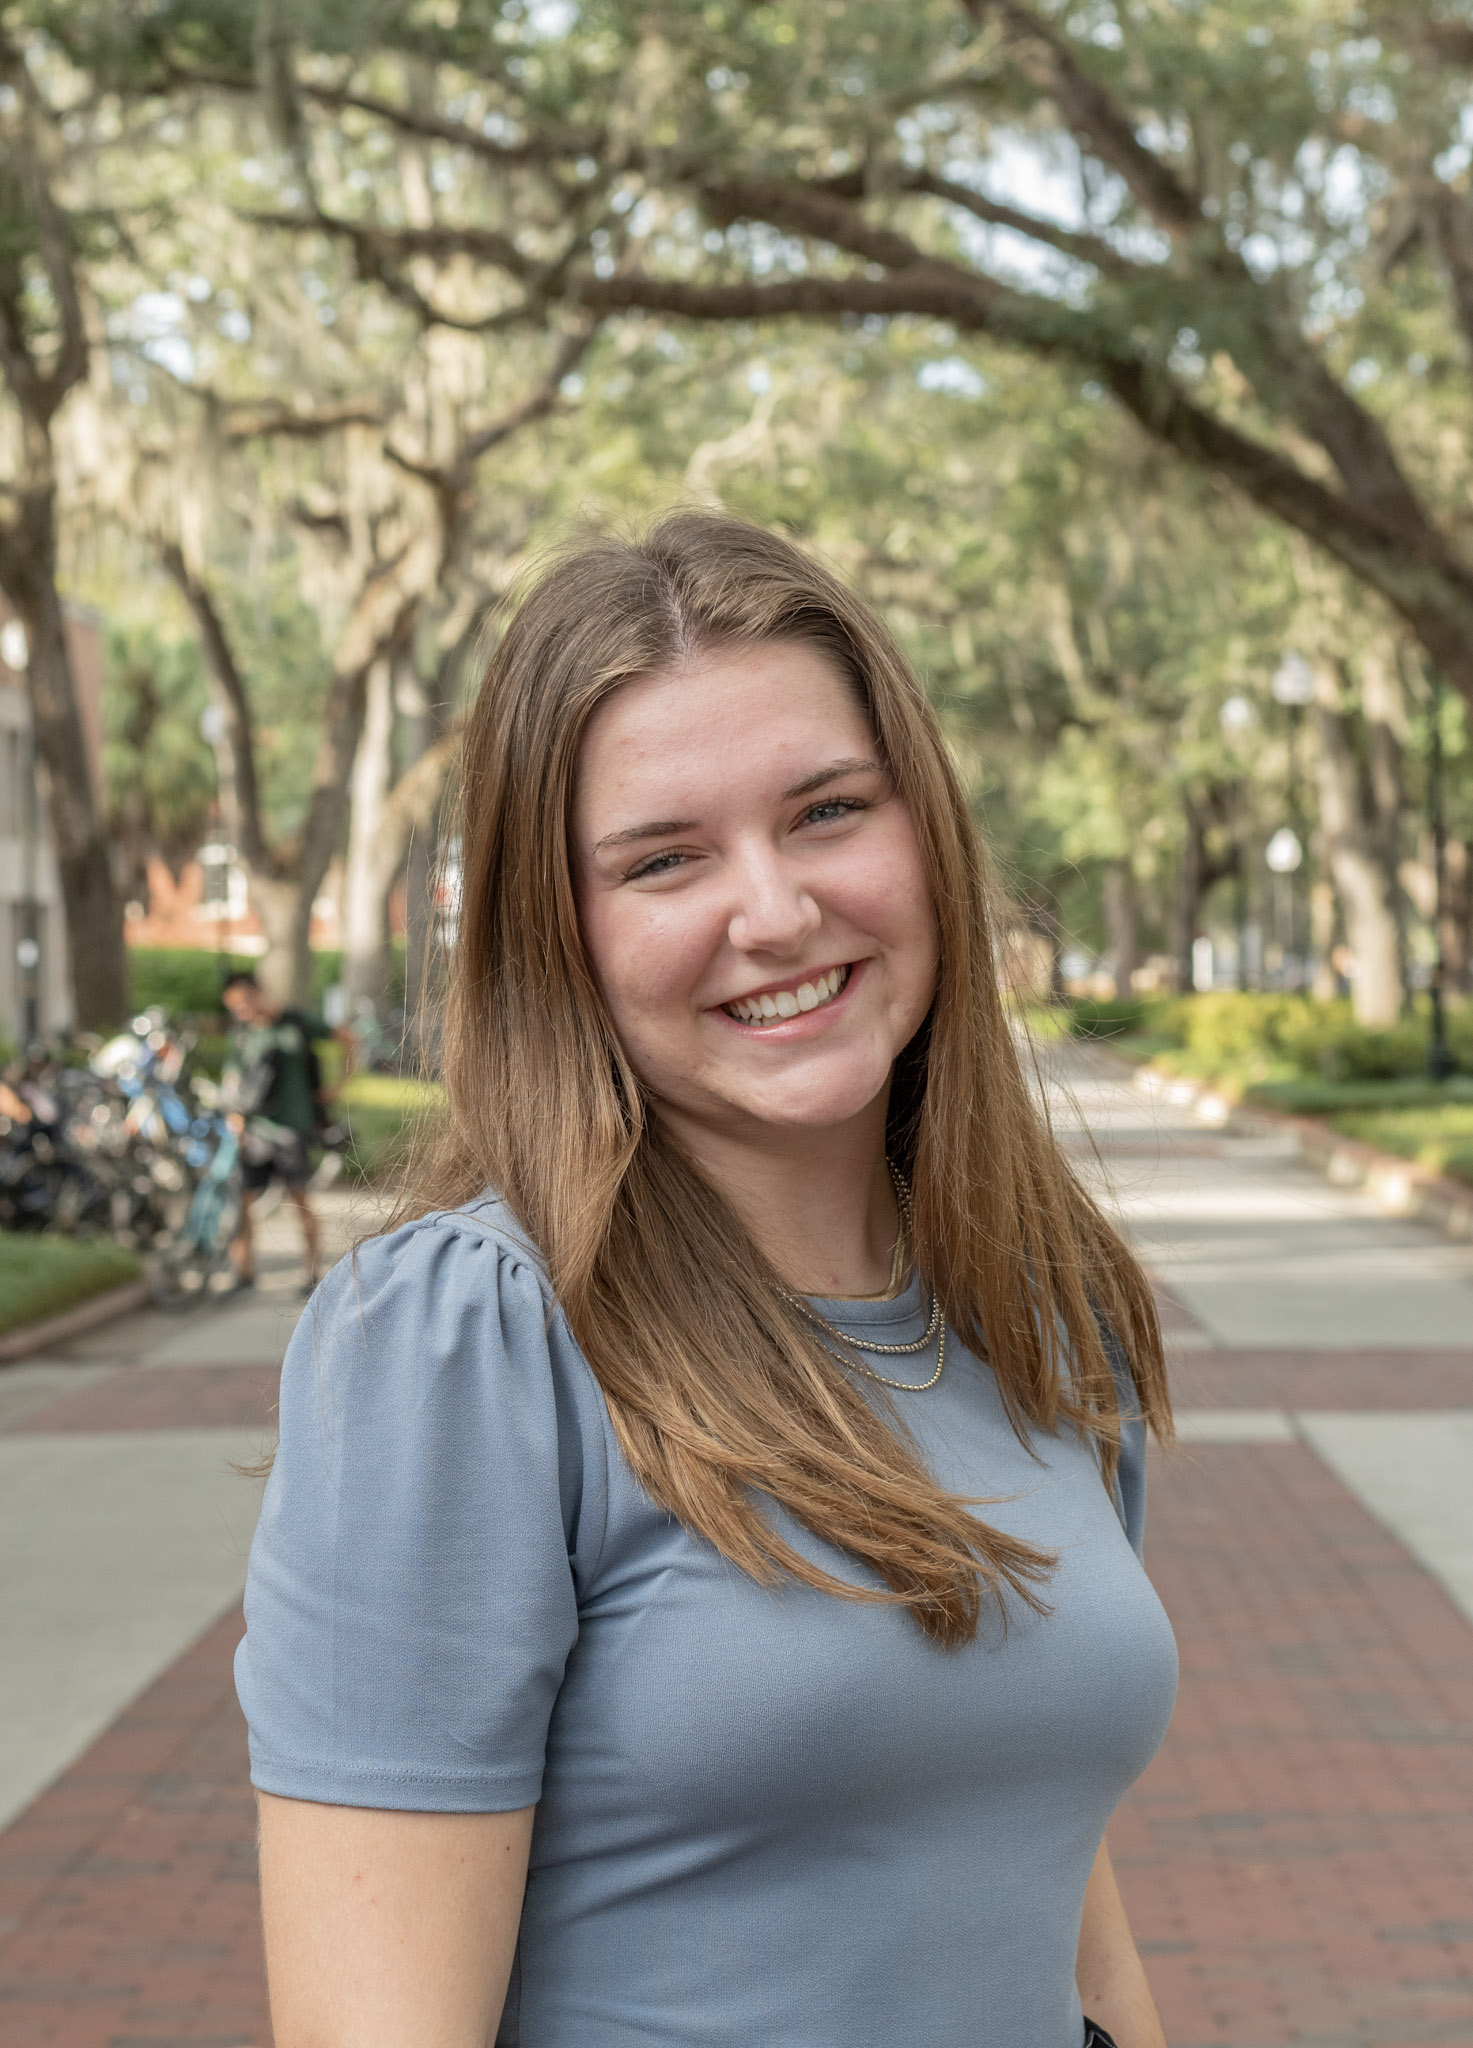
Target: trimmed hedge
<point>186,980</point>
<point>180,979</point>
<point>1247,1040</point>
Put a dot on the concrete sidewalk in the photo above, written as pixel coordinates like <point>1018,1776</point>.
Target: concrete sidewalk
<point>1298,1861</point>
<point>124,1517</point>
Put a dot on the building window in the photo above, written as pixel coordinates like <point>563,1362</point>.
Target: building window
<point>224,894</point>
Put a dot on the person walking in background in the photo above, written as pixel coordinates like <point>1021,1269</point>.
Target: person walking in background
<point>274,1090</point>
<point>698,1597</point>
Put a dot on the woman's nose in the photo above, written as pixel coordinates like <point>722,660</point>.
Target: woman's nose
<point>773,911</point>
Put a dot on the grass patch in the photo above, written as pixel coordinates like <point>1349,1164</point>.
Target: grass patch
<point>382,1112</point>
<point>42,1275</point>
<point>1334,1098</point>
<point>1438,1136</point>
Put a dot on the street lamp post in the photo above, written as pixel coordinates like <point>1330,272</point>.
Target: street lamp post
<point>1293,687</point>
<point>1283,855</point>
<point>16,654</point>
<point>1440,1061</point>
<point>1236,717</point>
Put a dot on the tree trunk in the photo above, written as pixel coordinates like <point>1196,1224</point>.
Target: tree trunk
<point>1188,898</point>
<point>1359,876</point>
<point>1457,916</point>
<point>1122,925</point>
<point>427,725</point>
<point>365,892</point>
<point>275,900</point>
<point>1323,918</point>
<point>1382,709</point>
<point>97,958</point>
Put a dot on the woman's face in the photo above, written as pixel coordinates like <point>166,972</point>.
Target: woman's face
<point>751,891</point>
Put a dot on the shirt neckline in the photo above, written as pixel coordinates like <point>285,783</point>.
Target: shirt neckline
<point>874,1311</point>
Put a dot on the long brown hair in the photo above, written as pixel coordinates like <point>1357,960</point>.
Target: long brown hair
<point>719,1394</point>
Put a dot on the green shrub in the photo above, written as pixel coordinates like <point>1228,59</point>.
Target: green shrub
<point>1108,1018</point>
<point>183,980</point>
<point>1263,1038</point>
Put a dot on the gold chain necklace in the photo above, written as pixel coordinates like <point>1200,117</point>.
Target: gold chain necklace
<point>935,1324</point>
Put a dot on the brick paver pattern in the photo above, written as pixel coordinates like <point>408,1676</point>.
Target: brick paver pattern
<point>128,1899</point>
<point>164,1397</point>
<point>1298,1861</point>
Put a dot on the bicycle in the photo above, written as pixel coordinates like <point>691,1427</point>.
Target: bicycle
<point>182,1272</point>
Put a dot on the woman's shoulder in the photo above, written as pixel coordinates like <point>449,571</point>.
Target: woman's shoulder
<point>445,1253</point>
<point>442,1334</point>
<point>452,1298</point>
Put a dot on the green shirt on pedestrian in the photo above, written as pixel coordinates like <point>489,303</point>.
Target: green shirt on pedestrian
<point>274,1063</point>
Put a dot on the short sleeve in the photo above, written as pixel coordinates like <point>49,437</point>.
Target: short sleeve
<point>411,1599</point>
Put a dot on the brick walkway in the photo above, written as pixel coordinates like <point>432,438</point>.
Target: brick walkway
<point>1298,1861</point>
<point>163,1397</point>
<point>128,1914</point>
<point>1299,1858</point>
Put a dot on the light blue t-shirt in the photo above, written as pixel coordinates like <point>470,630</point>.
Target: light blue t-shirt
<point>764,1815</point>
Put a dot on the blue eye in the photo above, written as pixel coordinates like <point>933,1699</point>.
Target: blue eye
<point>833,807</point>
<point>657,864</point>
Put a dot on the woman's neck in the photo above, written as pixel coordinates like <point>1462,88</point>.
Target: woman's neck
<point>820,1204</point>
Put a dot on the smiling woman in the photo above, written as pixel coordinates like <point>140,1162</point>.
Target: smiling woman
<point>698,1595</point>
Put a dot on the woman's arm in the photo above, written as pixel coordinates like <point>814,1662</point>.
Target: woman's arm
<point>1111,1979</point>
<point>384,1929</point>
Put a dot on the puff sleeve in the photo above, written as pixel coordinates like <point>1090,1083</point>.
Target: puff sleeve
<point>412,1596</point>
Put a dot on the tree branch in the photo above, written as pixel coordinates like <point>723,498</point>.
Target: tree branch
<point>383,619</point>
<point>38,392</point>
<point>1414,569</point>
<point>931,290</point>
<point>1449,225</point>
<point>1450,41</point>
<point>543,146</point>
<point>254,419</point>
<point>376,243</point>
<point>538,403</point>
<point>1411,564</point>
<point>244,807</point>
<point>816,211</point>
<point>1084,248</point>
<point>1045,58</point>
<point>411,803</point>
<point>1288,375</point>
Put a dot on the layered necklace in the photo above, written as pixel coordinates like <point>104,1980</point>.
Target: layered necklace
<point>935,1330</point>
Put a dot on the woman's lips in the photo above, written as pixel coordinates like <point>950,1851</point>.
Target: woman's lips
<point>805,996</point>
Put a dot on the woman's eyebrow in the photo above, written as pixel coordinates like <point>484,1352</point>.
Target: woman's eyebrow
<point>852,764</point>
<point>663,828</point>
<point>659,829</point>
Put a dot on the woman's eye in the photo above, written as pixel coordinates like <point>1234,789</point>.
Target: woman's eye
<point>832,807</point>
<point>657,864</point>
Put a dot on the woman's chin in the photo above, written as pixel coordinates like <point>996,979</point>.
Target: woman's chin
<point>810,1102</point>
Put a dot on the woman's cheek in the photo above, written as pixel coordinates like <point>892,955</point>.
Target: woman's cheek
<point>662,953</point>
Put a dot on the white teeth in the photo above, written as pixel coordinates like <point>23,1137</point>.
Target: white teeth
<point>809,995</point>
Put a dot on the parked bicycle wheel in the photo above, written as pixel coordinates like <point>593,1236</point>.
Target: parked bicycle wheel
<point>182,1272</point>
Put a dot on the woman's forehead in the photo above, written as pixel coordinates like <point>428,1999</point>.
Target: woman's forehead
<point>725,712</point>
